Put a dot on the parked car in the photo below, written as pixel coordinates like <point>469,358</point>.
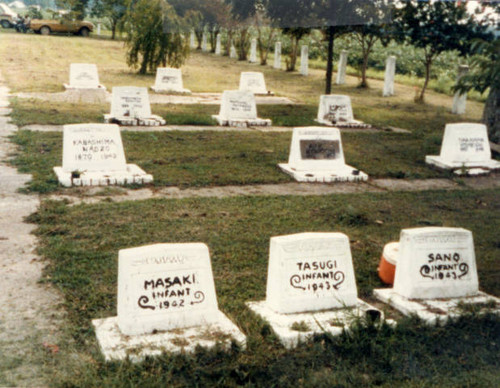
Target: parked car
<point>46,27</point>
<point>7,16</point>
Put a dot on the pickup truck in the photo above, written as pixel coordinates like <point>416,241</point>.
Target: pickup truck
<point>7,16</point>
<point>46,27</point>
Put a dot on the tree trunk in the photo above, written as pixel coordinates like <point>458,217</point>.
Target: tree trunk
<point>364,82</point>
<point>113,28</point>
<point>329,62</point>
<point>491,115</point>
<point>242,47</point>
<point>199,38</point>
<point>428,63</point>
<point>292,61</point>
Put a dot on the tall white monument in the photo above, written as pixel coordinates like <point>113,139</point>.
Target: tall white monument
<point>460,99</point>
<point>390,73</point>
<point>253,51</point>
<point>304,60</point>
<point>342,67</point>
<point>277,55</point>
<point>218,45</point>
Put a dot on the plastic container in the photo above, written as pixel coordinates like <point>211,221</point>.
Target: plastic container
<point>388,262</point>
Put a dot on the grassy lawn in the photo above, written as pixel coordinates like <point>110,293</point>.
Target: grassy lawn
<point>82,262</point>
<point>189,159</point>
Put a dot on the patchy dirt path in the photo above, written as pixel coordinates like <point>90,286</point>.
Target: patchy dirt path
<point>28,310</point>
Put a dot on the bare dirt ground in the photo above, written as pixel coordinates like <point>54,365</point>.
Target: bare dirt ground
<point>29,312</point>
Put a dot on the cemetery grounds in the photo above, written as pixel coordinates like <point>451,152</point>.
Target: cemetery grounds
<point>206,189</point>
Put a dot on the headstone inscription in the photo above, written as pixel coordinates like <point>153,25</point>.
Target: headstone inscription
<point>390,73</point>
<point>130,106</point>
<point>238,109</point>
<point>277,55</point>
<point>83,76</point>
<point>435,273</point>
<point>316,155</point>
<point>169,80</point>
<point>304,60</point>
<point>310,280</point>
<point>465,149</point>
<point>460,99</point>
<point>93,155</point>
<point>342,67</point>
<point>254,82</point>
<point>253,51</point>
<point>165,292</point>
<point>336,110</point>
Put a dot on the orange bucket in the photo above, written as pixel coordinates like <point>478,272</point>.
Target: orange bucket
<point>388,261</point>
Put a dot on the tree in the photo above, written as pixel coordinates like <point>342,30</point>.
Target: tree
<point>265,32</point>
<point>153,36</point>
<point>242,12</point>
<point>484,76</point>
<point>78,8</point>
<point>113,10</point>
<point>436,27</point>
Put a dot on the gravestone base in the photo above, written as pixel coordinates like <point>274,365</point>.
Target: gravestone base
<point>133,174</point>
<point>310,323</point>
<point>116,346</point>
<point>71,87</point>
<point>171,91</point>
<point>153,121</point>
<point>468,168</point>
<point>345,173</point>
<point>349,124</point>
<point>439,309</point>
<point>242,122</point>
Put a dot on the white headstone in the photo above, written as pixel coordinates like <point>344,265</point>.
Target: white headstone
<point>130,101</point>
<point>335,109</point>
<point>98,28</point>
<point>169,80</point>
<point>239,106</point>
<point>204,45</point>
<point>93,147</point>
<point>342,68</point>
<point>253,51</point>
<point>164,287</point>
<point>464,145</point>
<point>83,76</point>
<point>232,53</point>
<point>460,99</point>
<point>310,272</point>
<point>436,263</point>
<point>218,45</point>
<point>254,82</point>
<point>277,55</point>
<point>192,40</point>
<point>304,60</point>
<point>93,155</point>
<point>390,73</point>
<point>316,155</point>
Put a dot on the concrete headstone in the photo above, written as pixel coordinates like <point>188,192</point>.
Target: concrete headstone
<point>253,51</point>
<point>460,99</point>
<point>232,52</point>
<point>218,45</point>
<point>204,44</point>
<point>390,73</point>
<point>342,67</point>
<point>335,109</point>
<point>192,40</point>
<point>83,76</point>
<point>277,55</point>
<point>304,60</point>
<point>238,108</point>
<point>254,82</point>
<point>169,80</point>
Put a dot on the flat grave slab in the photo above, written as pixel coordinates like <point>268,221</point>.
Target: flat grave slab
<point>238,109</point>
<point>130,106</point>
<point>316,155</point>
<point>465,150</point>
<point>93,156</point>
<point>336,110</point>
<point>311,288</point>
<point>436,275</point>
<point>166,303</point>
<point>169,80</point>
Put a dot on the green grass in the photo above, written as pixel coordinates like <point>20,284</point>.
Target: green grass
<point>81,244</point>
<point>198,159</point>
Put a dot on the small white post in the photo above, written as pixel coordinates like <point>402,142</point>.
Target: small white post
<point>390,72</point>
<point>342,68</point>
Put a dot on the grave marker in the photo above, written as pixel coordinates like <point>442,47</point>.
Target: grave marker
<point>253,51</point>
<point>277,56</point>
<point>436,270</point>
<point>192,40</point>
<point>310,280</point>
<point>83,76</point>
<point>238,109</point>
<point>165,291</point>
<point>342,67</point>
<point>390,73</point>
<point>316,155</point>
<point>130,106</point>
<point>465,149</point>
<point>169,80</point>
<point>232,52</point>
<point>336,110</point>
<point>218,45</point>
<point>304,60</point>
<point>204,45</point>
<point>460,99</point>
<point>254,82</point>
<point>93,155</point>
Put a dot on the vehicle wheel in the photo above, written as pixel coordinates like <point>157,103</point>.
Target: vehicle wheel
<point>45,30</point>
<point>5,24</point>
<point>85,32</point>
